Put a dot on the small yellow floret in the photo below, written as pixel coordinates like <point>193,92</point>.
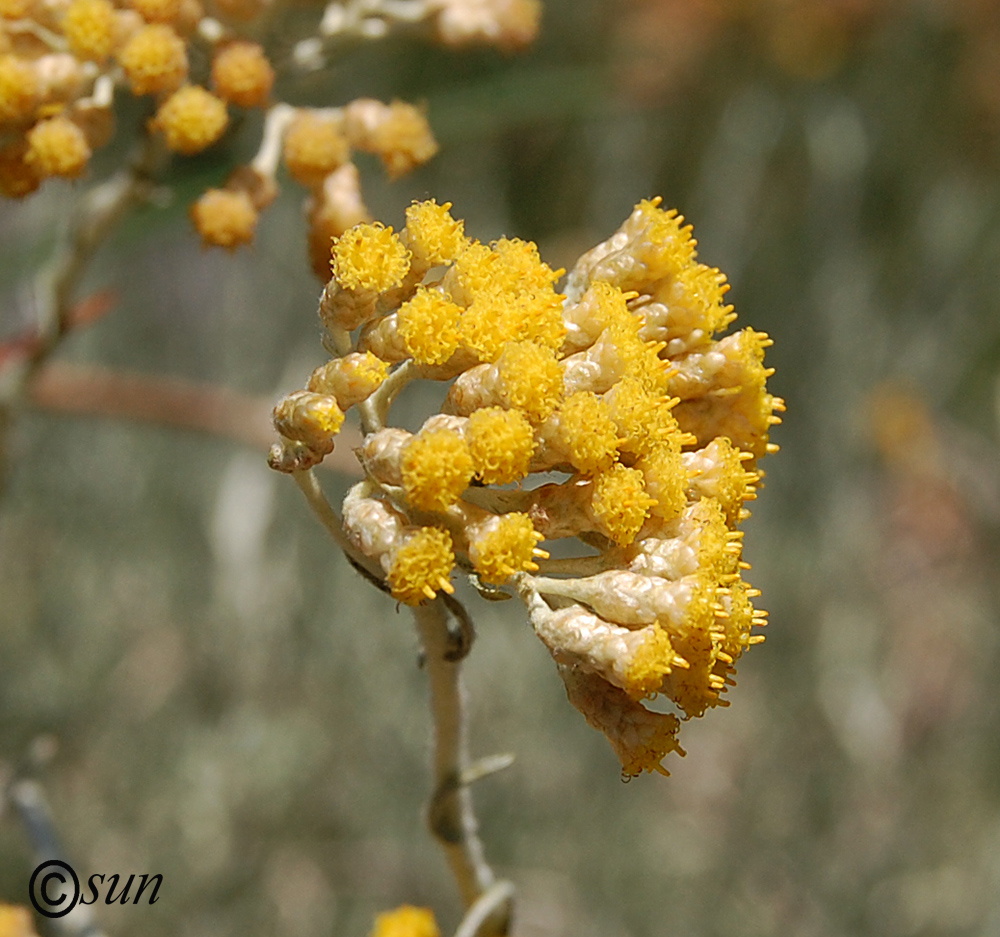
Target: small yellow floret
<point>620,503</point>
<point>508,546</point>
<point>667,246</point>
<point>402,139</point>
<point>666,480</point>
<point>406,921</point>
<point>314,146</point>
<point>191,119</point>
<point>89,27</point>
<point>501,443</point>
<point>586,433</point>
<point>350,379</point>
<point>369,257</point>
<point>421,568</point>
<point>157,11</point>
<point>523,266</point>
<point>654,658</point>
<point>19,89</point>
<point>531,379</point>
<point>432,234</point>
<point>242,75</point>
<point>310,418</point>
<point>225,218</point>
<point>490,321</point>
<point>428,326</point>
<point>644,420</point>
<point>57,147</point>
<point>154,60</point>
<point>436,469</point>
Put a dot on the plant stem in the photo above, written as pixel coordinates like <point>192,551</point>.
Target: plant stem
<point>451,816</point>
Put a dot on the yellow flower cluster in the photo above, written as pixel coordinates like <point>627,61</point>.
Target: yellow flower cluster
<point>406,921</point>
<point>619,383</point>
<point>62,64</point>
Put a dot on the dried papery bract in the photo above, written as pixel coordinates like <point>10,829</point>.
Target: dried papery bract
<point>621,383</point>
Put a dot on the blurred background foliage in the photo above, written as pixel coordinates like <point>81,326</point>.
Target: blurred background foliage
<point>236,710</point>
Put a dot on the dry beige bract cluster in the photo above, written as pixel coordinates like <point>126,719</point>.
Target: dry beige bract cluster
<point>609,415</point>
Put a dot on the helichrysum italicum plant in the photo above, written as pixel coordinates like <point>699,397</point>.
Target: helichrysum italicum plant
<point>609,415</point>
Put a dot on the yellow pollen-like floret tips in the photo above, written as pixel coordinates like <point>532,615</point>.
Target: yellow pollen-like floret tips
<point>506,546</point>
<point>314,146</point>
<point>89,27</point>
<point>369,257</point>
<point>501,443</point>
<point>19,89</point>
<point>191,119</point>
<point>436,468</point>
<point>620,503</point>
<point>406,921</point>
<point>654,659</point>
<point>432,234</point>
<point>428,326</point>
<point>530,378</point>
<point>421,567</point>
<point>154,60</point>
<point>57,147</point>
<point>242,74</point>
<point>585,432</point>
<point>666,480</point>
<point>225,218</point>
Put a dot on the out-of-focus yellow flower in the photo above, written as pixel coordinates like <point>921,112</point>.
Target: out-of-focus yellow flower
<point>406,921</point>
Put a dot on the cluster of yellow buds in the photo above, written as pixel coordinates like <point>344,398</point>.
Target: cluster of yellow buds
<point>608,416</point>
<point>62,63</point>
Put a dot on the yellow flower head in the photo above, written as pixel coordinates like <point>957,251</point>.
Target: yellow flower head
<point>428,326</point>
<point>19,89</point>
<point>432,234</point>
<point>501,443</point>
<point>531,379</point>
<point>666,480</point>
<point>350,379</point>
<point>406,921</point>
<point>369,257</point>
<point>225,218</point>
<point>154,60</point>
<point>644,420</point>
<point>314,146</point>
<point>57,147</point>
<point>310,418</point>
<point>507,545</point>
<point>488,323</point>
<point>653,660</point>
<point>436,468</point>
<point>242,75</point>
<point>620,503</point>
<point>586,433</point>
<point>421,568</point>
<point>666,243</point>
<point>89,27</point>
<point>191,119</point>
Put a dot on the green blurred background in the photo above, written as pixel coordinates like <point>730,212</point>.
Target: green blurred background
<point>237,710</point>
